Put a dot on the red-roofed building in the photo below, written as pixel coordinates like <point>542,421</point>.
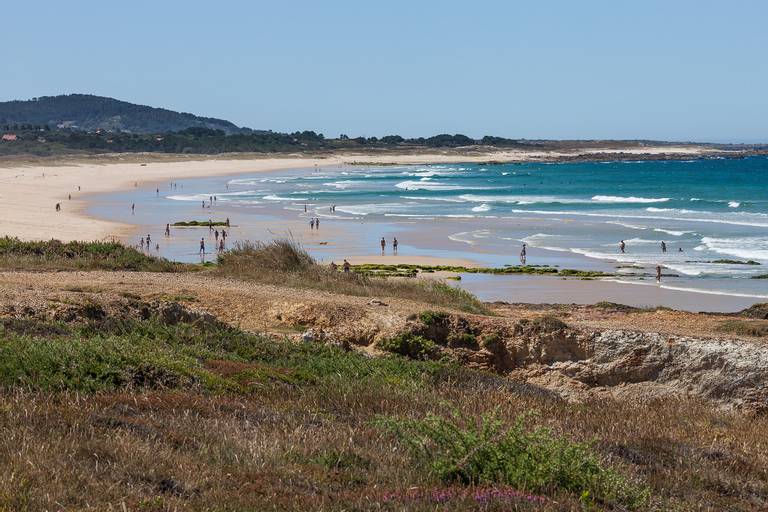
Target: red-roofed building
<point>10,137</point>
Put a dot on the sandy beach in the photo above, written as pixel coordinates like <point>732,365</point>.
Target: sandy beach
<point>30,189</point>
<point>29,193</point>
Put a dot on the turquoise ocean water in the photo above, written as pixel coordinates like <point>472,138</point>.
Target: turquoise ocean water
<point>704,210</point>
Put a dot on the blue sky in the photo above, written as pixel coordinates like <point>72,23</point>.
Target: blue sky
<point>674,69</point>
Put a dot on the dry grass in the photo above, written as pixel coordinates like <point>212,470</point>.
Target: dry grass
<point>285,263</point>
<point>269,425</point>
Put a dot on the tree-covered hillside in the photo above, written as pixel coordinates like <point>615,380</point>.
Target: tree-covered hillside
<point>88,112</point>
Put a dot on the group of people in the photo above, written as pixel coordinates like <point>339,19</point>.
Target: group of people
<point>314,223</point>
<point>383,244</point>
<point>345,266</point>
<point>663,245</point>
<point>211,201</point>
<point>148,243</point>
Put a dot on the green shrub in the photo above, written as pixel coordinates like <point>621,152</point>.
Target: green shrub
<point>430,318</point>
<point>492,342</point>
<point>463,339</point>
<point>486,451</point>
<point>409,345</point>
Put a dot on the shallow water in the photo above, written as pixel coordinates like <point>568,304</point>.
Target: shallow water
<point>569,214</point>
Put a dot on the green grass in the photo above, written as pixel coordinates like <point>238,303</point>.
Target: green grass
<point>55,255</point>
<point>475,451</point>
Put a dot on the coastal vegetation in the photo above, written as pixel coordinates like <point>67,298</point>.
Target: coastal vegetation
<point>198,224</point>
<point>408,270</point>
<point>736,262</point>
<point>57,255</point>
<point>176,410</point>
<point>284,262</point>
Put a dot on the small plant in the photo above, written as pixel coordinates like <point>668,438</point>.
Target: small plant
<point>485,451</point>
<point>430,318</point>
<point>410,345</point>
<point>492,343</point>
<point>463,339</point>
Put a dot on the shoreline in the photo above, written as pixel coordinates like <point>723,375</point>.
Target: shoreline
<point>31,186</point>
<point>23,214</point>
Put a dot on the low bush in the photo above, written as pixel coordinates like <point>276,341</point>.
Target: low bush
<point>488,451</point>
<point>56,255</point>
<point>409,345</point>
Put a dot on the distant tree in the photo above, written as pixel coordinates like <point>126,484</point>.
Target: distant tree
<point>392,139</point>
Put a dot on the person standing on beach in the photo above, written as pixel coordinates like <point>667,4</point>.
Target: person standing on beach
<point>394,246</point>
<point>663,246</point>
<point>203,204</point>
<point>305,208</point>
<point>202,246</point>
<point>312,223</point>
<point>221,246</point>
<point>317,223</point>
<point>167,230</point>
<point>622,246</point>
<point>523,254</point>
<point>658,273</point>
<point>157,192</point>
<point>227,221</point>
<point>383,245</point>
<point>133,208</point>
<point>58,207</point>
<point>216,235</point>
<point>346,267</point>
<point>141,243</point>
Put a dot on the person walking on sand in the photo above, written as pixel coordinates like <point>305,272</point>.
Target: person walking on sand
<point>157,248</point>
<point>523,254</point>
<point>346,267</point>
<point>227,221</point>
<point>202,246</point>
<point>58,207</point>
<point>133,208</point>
<point>622,246</point>
<point>317,223</point>
<point>167,230</point>
<point>663,246</point>
<point>394,246</point>
<point>203,204</point>
<point>216,235</point>
<point>141,243</point>
<point>658,273</point>
<point>157,192</point>
<point>221,246</point>
<point>312,223</point>
<point>149,241</point>
<point>383,245</point>
<point>305,208</point>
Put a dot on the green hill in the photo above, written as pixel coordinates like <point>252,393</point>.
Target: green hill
<point>88,112</point>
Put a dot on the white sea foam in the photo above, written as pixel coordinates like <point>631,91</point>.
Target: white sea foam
<point>273,197</point>
<point>690,290</point>
<point>470,237</point>
<point>751,248</point>
<point>431,185</point>
<point>671,232</point>
<point>482,208</point>
<point>760,224</point>
<point>625,225</point>
<point>631,199</point>
<point>734,204</point>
